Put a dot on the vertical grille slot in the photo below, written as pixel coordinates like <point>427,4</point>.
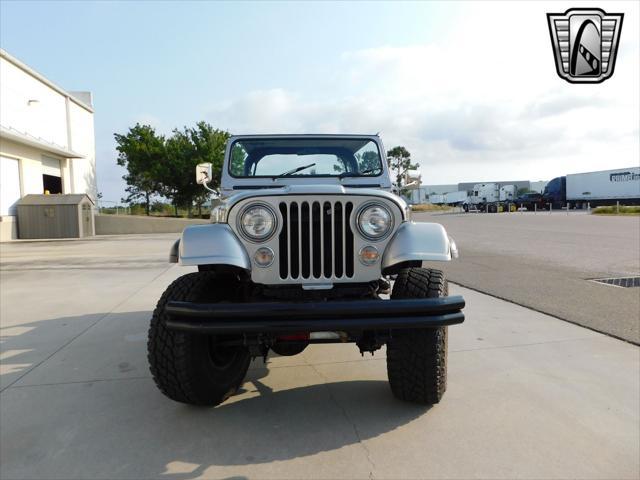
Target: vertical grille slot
<point>338,244</point>
<point>283,242</point>
<point>327,237</point>
<point>316,240</point>
<point>305,237</point>
<point>348,254</point>
<point>294,241</point>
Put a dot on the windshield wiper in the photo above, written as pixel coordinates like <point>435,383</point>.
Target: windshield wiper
<point>295,170</point>
<point>357,174</point>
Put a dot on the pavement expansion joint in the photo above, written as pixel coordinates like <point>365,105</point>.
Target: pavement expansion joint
<point>500,347</point>
<point>345,414</point>
<point>79,382</point>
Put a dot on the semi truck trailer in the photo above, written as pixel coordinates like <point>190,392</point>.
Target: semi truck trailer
<point>436,199</point>
<point>491,197</point>
<point>605,187</point>
<point>456,199</point>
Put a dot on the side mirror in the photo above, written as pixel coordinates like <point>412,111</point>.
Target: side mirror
<point>204,173</point>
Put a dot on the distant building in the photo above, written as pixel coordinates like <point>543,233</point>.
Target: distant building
<point>421,195</point>
<point>520,184</point>
<point>47,140</point>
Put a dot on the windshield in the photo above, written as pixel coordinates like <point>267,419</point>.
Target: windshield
<point>305,157</point>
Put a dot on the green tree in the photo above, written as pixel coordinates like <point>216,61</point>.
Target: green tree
<point>368,161</point>
<point>142,152</point>
<point>238,157</point>
<point>187,148</point>
<point>399,160</point>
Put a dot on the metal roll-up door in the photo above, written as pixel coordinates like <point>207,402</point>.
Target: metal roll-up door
<point>9,185</point>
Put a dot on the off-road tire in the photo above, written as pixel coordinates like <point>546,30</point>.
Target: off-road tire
<point>417,358</point>
<point>187,367</point>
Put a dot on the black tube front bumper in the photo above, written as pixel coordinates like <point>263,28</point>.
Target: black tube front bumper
<point>278,317</point>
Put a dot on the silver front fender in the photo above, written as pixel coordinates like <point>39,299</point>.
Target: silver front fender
<point>419,241</point>
<point>213,244</point>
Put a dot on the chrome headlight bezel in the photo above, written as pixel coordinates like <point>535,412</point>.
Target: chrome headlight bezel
<point>390,225</point>
<point>247,235</point>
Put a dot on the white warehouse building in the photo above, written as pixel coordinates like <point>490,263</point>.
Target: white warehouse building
<point>47,140</point>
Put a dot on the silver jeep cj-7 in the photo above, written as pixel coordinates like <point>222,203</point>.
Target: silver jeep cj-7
<point>300,249</point>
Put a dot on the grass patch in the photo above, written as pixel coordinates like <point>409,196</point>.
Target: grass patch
<point>428,207</point>
<point>613,210</point>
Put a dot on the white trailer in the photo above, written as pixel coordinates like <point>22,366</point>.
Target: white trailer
<point>436,199</point>
<point>456,198</point>
<point>604,187</point>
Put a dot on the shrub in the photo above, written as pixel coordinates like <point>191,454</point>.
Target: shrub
<point>428,207</point>
<point>613,210</point>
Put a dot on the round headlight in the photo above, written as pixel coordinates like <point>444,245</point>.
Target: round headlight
<point>258,222</point>
<point>375,221</point>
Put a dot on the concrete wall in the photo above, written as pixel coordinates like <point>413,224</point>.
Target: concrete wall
<point>126,224</point>
<point>8,228</point>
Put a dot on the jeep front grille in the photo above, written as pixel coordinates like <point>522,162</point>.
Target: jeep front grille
<point>316,240</point>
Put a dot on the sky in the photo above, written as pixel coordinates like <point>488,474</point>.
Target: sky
<point>469,88</point>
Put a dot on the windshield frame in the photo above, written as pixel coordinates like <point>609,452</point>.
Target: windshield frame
<point>310,138</point>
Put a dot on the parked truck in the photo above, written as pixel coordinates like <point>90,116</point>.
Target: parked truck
<point>605,187</point>
<point>456,199</point>
<point>491,197</point>
<point>531,201</point>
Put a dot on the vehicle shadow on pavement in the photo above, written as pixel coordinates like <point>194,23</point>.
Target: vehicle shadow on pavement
<point>279,425</point>
<point>25,345</point>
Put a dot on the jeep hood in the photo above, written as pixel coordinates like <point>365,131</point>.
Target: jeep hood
<point>328,189</point>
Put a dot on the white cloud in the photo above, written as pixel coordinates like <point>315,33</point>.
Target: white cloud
<point>482,102</point>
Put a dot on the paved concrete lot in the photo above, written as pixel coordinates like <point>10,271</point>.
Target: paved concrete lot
<point>529,396</point>
<point>543,261</point>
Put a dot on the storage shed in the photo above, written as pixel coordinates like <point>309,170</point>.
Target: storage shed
<point>55,216</point>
